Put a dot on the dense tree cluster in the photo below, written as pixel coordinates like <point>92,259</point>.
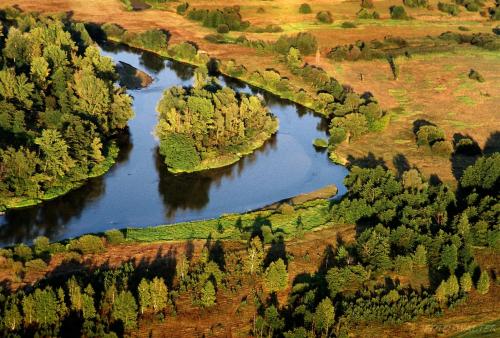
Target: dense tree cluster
<point>204,123</point>
<point>405,225</point>
<point>229,16</point>
<point>59,106</point>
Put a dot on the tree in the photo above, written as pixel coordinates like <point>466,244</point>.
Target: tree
<point>88,307</point>
<point>483,284</point>
<point>449,257</point>
<point>276,276</point>
<point>324,316</point>
<point>255,256</point>
<point>273,320</point>
<point>466,282</point>
<point>125,309</point>
<point>442,292</point>
<point>420,256</point>
<point>152,294</point>
<point>11,316</point>
<point>57,161</point>
<point>208,297</point>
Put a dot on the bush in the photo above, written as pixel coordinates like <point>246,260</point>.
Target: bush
<point>442,148</point>
<point>36,264</point>
<point>306,43</point>
<point>154,39</point>
<point>261,10</point>
<point>114,236</point>
<point>427,135</point>
<point>398,13</point>
<point>113,30</point>
<point>416,3</point>
<point>320,143</point>
<point>215,38</point>
<point>182,8</point>
<point>474,75</point>
<point>451,9</point>
<point>184,50</point>
<point>87,244</point>
<point>365,14</point>
<point>305,8</point>
<point>223,28</point>
<point>324,17</point>
<point>348,24</point>
<point>23,252</point>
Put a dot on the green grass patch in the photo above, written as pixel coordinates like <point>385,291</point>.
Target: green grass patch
<point>466,100</point>
<point>313,215</point>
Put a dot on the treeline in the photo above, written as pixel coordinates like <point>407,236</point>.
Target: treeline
<point>206,126</point>
<point>59,109</point>
<point>407,226</point>
<point>397,46</point>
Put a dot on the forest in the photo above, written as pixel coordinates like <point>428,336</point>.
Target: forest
<point>207,126</point>
<point>60,110</point>
<point>406,225</point>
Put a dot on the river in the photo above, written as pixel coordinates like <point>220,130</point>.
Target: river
<point>139,191</point>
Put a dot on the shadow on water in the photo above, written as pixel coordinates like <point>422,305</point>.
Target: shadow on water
<point>139,191</point>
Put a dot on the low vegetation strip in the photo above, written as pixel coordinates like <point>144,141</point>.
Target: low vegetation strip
<point>286,221</point>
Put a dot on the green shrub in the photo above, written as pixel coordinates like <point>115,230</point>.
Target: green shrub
<point>427,135</point>
<point>41,245</point>
<point>306,43</point>
<point>215,38</point>
<point>154,39</point>
<point>36,264</point>
<point>320,143</point>
<point>442,148</point>
<point>463,28</point>
<point>451,9</point>
<point>398,13</point>
<point>182,8</point>
<point>416,3</point>
<point>474,75</point>
<point>184,50</point>
<point>114,236</point>
<point>113,30</point>
<point>324,17</point>
<point>22,252</point>
<point>348,24</point>
<point>223,28</point>
<point>305,8</point>
<point>87,244</point>
<point>365,14</point>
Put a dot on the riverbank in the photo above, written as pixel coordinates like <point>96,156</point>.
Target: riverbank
<point>98,170</point>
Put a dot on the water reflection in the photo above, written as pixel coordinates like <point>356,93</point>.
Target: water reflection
<point>139,191</point>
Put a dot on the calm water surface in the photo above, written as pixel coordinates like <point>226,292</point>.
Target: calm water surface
<point>139,191</point>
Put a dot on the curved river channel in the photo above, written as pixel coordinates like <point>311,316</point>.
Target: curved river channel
<point>139,191</point>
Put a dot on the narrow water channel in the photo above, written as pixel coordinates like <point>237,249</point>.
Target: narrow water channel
<point>139,191</point>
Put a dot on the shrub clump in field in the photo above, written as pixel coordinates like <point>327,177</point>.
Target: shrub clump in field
<point>87,244</point>
<point>474,75</point>
<point>306,43</point>
<point>348,24</point>
<point>416,3</point>
<point>213,18</point>
<point>114,236</point>
<point>305,8</point>
<point>324,17</point>
<point>182,8</point>
<point>222,28</point>
<point>433,137</point>
<point>398,13</point>
<point>451,9</point>
<point>365,14</point>
<point>261,10</point>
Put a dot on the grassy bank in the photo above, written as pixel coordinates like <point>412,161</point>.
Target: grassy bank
<point>288,221</point>
<point>98,170</point>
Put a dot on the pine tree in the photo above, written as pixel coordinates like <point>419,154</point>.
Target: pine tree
<point>324,316</point>
<point>483,284</point>
<point>276,276</point>
<point>466,282</point>
<point>125,309</point>
<point>420,256</point>
<point>207,297</point>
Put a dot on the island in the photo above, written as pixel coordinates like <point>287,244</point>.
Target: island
<point>207,126</point>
